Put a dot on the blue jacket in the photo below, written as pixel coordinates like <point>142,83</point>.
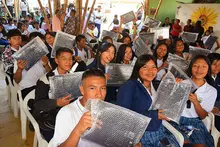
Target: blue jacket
<point>95,64</point>
<point>217,86</point>
<point>132,95</point>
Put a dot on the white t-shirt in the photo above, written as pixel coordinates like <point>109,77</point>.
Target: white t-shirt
<point>42,31</point>
<point>30,77</point>
<point>23,6</point>
<point>9,27</point>
<point>207,95</point>
<point>97,20</point>
<point>83,55</point>
<point>9,2</point>
<point>161,72</point>
<point>66,120</point>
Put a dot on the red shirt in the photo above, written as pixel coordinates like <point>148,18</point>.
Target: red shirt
<point>176,29</point>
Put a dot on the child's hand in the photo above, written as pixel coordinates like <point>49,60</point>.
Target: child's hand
<point>193,98</point>
<point>45,60</point>
<point>161,116</point>
<point>64,100</point>
<point>84,123</point>
<point>21,64</point>
<point>78,58</point>
<point>178,80</point>
<point>107,76</point>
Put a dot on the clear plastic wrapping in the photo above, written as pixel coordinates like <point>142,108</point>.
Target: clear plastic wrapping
<point>172,96</point>
<point>128,17</point>
<point>119,127</point>
<point>62,40</point>
<point>194,51</point>
<point>151,22</point>
<point>178,61</point>
<point>113,35</point>
<point>119,73</point>
<point>147,37</point>
<point>32,52</point>
<point>63,85</point>
<point>160,31</point>
<point>189,37</point>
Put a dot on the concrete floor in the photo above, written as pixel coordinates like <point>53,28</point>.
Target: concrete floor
<point>10,129</point>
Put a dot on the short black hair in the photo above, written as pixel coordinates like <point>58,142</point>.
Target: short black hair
<point>213,56</point>
<point>106,38</point>
<point>53,34</point>
<point>63,49</point>
<point>93,72</point>
<point>13,32</point>
<point>35,34</point>
<point>79,38</point>
<point>24,38</point>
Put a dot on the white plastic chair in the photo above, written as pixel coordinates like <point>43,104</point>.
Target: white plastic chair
<point>12,95</point>
<point>209,122</point>
<point>179,137</point>
<point>38,139</point>
<point>23,116</point>
<point>50,143</point>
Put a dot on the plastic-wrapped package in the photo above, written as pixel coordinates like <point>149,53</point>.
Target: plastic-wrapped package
<point>62,40</point>
<point>117,45</point>
<point>128,17</point>
<point>161,31</point>
<point>63,85</point>
<point>189,37</point>
<point>147,37</point>
<point>113,35</point>
<point>119,73</point>
<point>194,51</point>
<point>151,22</point>
<point>32,52</point>
<point>179,73</point>
<point>210,42</point>
<point>178,61</point>
<point>172,96</point>
<point>140,47</point>
<point>114,126</point>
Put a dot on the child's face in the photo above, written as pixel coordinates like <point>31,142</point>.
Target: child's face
<point>161,51</point>
<point>93,88</point>
<point>64,61</point>
<point>149,71</point>
<point>128,54</point>
<point>108,55</point>
<point>215,67</point>
<point>82,43</point>
<point>179,46</point>
<point>168,42</point>
<point>15,41</point>
<point>49,39</point>
<point>127,40</point>
<point>199,69</point>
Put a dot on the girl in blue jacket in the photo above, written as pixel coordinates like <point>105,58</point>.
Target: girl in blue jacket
<point>138,94</point>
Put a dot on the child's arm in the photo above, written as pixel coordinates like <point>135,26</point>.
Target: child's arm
<point>84,123</point>
<point>18,74</point>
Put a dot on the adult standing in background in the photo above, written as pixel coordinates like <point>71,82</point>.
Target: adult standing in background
<point>23,7</point>
<point>56,21</point>
<point>188,27</point>
<point>9,4</point>
<point>167,23</point>
<point>98,19</point>
<point>176,30</point>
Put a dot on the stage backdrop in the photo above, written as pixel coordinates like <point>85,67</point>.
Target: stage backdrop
<point>209,14</point>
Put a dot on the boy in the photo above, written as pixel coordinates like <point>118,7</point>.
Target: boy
<point>14,39</point>
<point>81,50</point>
<point>46,109</point>
<point>71,122</point>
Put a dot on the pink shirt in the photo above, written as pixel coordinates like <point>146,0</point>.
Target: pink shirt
<point>56,24</point>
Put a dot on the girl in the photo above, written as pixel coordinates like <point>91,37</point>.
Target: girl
<point>21,26</point>
<point>179,49</point>
<point>215,61</point>
<point>124,54</point>
<point>49,40</point>
<point>202,102</point>
<point>138,94</point>
<point>161,55</point>
<point>105,55</point>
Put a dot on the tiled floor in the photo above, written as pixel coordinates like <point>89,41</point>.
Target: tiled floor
<point>10,130</point>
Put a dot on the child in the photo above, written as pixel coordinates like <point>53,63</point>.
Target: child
<point>46,109</point>
<point>202,102</point>
<point>124,55</point>
<point>15,40</point>
<point>138,94</point>
<point>161,54</point>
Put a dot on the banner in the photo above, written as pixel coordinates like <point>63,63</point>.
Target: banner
<point>209,14</point>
